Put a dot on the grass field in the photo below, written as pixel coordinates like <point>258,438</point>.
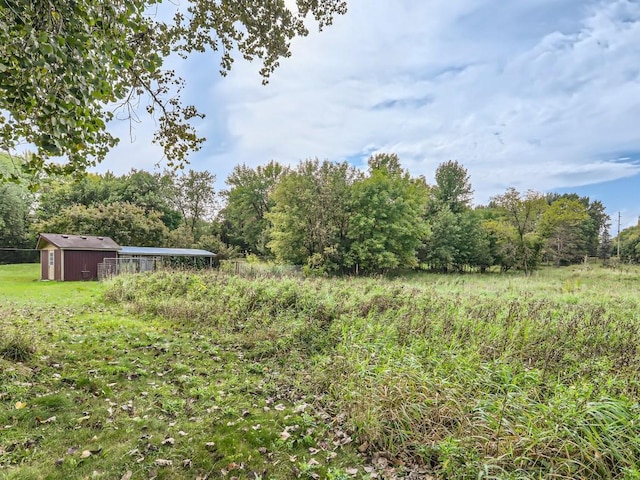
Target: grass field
<point>179,375</point>
<point>100,393</point>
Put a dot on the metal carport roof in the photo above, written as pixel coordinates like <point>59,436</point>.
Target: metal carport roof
<point>165,252</point>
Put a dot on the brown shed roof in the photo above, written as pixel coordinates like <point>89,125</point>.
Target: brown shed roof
<point>77,242</point>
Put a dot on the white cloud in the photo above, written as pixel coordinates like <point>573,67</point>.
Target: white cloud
<point>534,94</point>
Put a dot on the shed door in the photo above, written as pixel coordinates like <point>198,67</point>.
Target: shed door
<point>52,264</point>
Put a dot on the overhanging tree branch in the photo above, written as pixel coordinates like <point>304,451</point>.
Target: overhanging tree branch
<point>63,64</point>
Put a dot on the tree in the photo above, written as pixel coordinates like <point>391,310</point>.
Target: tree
<point>194,197</point>
<point>598,221</point>
<point>605,246</point>
<point>562,226</point>
<point>151,191</point>
<point>14,214</point>
<point>523,213</point>
<point>388,225</point>
<point>125,223</point>
<point>503,243</point>
<point>457,241</point>
<point>58,192</point>
<point>63,65</point>
<point>590,228</point>
<point>477,246</point>
<point>312,214</point>
<point>453,187</point>
<point>248,202</point>
<point>15,218</point>
<point>441,250</point>
<point>630,244</point>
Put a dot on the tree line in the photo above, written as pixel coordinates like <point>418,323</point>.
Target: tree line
<point>327,217</point>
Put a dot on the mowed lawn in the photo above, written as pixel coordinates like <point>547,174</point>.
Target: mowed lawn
<point>90,391</point>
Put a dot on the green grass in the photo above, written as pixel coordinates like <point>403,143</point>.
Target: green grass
<point>106,393</point>
<point>497,376</point>
<point>456,376</point>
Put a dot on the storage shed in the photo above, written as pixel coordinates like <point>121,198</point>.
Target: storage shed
<point>86,257</point>
<point>73,257</point>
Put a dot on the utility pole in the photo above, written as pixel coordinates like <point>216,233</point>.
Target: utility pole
<point>619,235</point>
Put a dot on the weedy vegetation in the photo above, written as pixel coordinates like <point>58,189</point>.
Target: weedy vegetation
<point>212,375</point>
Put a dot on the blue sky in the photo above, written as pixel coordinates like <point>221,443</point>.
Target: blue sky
<point>534,94</point>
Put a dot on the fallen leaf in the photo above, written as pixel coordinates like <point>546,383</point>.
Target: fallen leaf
<point>351,471</point>
<point>168,441</point>
<point>363,448</point>
<point>20,405</point>
<point>280,407</point>
<point>48,420</point>
<point>313,462</point>
<point>127,476</point>
<point>285,435</point>
<point>187,463</point>
<point>380,462</point>
<point>161,462</point>
<point>85,454</point>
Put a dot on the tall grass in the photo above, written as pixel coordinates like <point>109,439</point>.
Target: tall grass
<point>505,378</point>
